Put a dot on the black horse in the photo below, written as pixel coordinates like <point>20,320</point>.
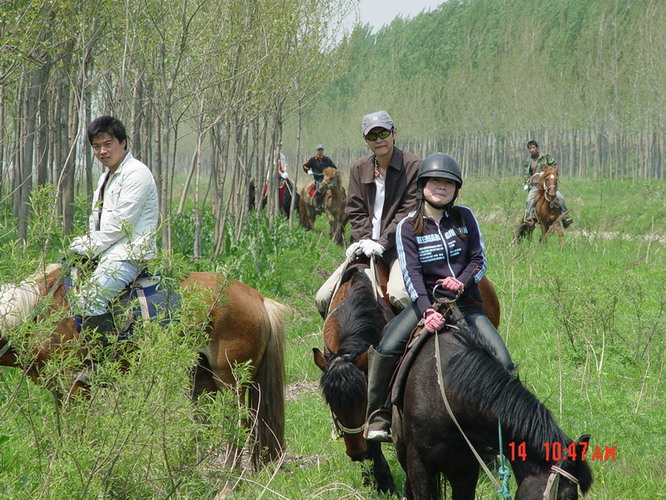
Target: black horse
<point>355,323</point>
<point>480,391</point>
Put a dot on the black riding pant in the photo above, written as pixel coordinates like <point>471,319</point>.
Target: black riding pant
<point>398,330</point>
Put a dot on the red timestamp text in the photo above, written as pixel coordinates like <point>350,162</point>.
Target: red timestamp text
<point>556,451</point>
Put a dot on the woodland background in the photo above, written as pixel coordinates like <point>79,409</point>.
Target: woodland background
<point>211,91</point>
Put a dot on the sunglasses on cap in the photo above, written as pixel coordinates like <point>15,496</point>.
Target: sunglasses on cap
<point>373,136</point>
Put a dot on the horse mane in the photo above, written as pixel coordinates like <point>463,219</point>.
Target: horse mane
<point>17,301</point>
<point>359,316</point>
<point>474,372</point>
<point>359,320</point>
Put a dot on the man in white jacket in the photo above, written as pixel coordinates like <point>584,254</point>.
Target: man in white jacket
<point>122,229</point>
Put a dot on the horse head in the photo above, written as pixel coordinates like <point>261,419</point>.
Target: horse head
<point>354,324</point>
<point>343,384</point>
<point>561,480</point>
<point>330,182</point>
<point>549,178</point>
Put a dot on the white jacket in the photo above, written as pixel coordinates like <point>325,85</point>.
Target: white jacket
<point>124,227</point>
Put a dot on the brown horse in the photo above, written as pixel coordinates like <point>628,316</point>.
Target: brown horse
<point>241,324</point>
<point>328,195</point>
<point>355,322</point>
<point>547,209</point>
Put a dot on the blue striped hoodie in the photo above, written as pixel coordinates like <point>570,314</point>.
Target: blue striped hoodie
<point>439,252</point>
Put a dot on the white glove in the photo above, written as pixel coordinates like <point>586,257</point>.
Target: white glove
<point>83,245</point>
<point>526,187</point>
<point>284,175</point>
<point>310,172</point>
<point>353,250</point>
<point>371,247</point>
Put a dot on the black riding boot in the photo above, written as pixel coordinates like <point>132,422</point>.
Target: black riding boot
<point>566,220</point>
<point>95,329</point>
<point>380,371</point>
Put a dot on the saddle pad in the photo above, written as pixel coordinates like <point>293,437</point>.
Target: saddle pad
<point>312,191</point>
<point>151,297</point>
<point>155,300</point>
<point>416,340</point>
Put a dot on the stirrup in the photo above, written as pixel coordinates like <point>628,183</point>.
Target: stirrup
<point>378,436</point>
<point>378,426</point>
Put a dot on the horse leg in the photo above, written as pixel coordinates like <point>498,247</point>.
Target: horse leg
<point>463,481</point>
<point>381,470</point>
<point>423,479</point>
<point>203,378</point>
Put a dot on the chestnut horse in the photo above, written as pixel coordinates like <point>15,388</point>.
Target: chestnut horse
<point>241,324</point>
<point>547,208</point>
<point>331,194</point>
<point>355,322</point>
<point>455,383</point>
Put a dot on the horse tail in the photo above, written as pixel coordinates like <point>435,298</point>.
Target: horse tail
<point>266,396</point>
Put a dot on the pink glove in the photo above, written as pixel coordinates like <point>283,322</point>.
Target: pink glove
<point>432,320</point>
<point>450,283</point>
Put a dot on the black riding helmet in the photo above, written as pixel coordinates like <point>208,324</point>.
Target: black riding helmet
<point>439,165</point>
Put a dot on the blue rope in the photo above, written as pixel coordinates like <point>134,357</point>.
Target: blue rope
<point>504,470</point>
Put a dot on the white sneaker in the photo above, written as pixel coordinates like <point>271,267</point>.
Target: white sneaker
<point>378,435</point>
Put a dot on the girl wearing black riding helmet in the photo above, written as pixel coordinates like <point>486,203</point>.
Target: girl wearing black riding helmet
<point>438,244</point>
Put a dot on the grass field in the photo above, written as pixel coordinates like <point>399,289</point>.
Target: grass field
<point>583,321</point>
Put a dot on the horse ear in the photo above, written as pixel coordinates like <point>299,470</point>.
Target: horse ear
<point>585,438</point>
<point>362,362</point>
<point>319,359</point>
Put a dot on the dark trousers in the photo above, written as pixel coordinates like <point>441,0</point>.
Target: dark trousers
<point>398,330</point>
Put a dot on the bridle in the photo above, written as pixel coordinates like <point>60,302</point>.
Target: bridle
<point>553,482</point>
<point>345,430</point>
<point>553,187</point>
<point>326,185</point>
<point>342,429</point>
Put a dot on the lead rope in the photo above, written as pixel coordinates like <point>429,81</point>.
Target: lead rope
<point>504,471</point>
<point>440,382</point>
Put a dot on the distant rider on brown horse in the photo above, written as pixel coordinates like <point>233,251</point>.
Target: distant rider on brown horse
<point>534,165</point>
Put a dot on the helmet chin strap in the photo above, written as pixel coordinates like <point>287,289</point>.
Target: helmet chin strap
<point>439,207</point>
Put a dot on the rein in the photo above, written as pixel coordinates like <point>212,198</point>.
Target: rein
<point>440,382</point>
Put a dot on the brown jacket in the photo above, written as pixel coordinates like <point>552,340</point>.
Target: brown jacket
<point>399,197</point>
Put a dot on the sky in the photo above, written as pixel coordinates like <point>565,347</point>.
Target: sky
<point>377,13</point>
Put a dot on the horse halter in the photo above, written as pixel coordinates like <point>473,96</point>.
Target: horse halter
<point>553,483</point>
<point>336,421</point>
<point>326,185</point>
<point>345,430</point>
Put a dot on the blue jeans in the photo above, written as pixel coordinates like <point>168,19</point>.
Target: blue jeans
<point>531,201</point>
<point>91,297</point>
<point>398,330</point>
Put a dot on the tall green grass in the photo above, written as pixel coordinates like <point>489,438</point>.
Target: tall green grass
<point>584,322</point>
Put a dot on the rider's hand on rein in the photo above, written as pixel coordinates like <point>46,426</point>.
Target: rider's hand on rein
<point>433,321</point>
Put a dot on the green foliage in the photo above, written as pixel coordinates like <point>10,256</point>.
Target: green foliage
<point>583,321</point>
